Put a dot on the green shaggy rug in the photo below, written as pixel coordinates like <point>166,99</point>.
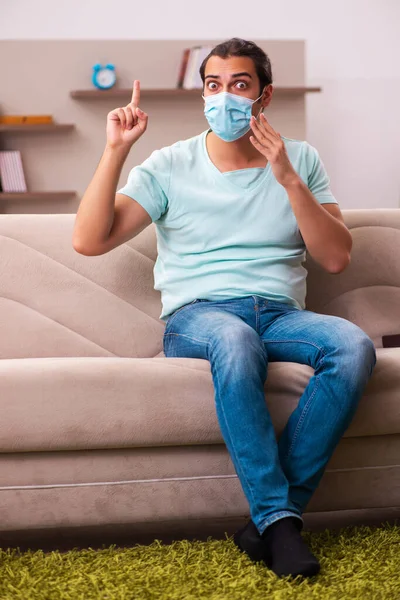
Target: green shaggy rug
<point>356,563</point>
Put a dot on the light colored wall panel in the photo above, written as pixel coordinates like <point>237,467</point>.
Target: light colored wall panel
<point>37,77</point>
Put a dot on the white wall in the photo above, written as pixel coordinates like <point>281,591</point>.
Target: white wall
<point>353,52</point>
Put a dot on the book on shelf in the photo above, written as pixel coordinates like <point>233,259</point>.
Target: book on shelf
<point>11,172</point>
<point>189,75</point>
<point>182,67</point>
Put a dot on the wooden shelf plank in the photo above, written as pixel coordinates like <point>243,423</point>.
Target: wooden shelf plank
<point>172,92</point>
<point>33,128</point>
<point>35,195</point>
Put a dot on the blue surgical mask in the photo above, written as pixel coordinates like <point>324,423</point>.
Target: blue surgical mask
<point>229,114</point>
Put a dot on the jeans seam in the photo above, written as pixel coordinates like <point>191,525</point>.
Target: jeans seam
<point>296,342</point>
<point>305,409</point>
<point>178,310</point>
<point>303,415</point>
<point>233,447</point>
<point>265,354</point>
<point>190,337</point>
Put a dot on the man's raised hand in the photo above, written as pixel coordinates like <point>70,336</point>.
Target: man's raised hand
<point>125,125</point>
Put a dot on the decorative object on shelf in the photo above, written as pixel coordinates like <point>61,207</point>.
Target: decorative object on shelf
<point>192,58</point>
<point>104,77</point>
<point>26,119</point>
<point>11,172</point>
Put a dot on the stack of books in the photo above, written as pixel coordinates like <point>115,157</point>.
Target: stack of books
<point>189,76</point>
<point>12,178</point>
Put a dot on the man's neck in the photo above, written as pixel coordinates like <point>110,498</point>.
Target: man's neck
<point>237,154</point>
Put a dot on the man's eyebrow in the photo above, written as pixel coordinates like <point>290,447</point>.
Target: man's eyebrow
<point>233,75</point>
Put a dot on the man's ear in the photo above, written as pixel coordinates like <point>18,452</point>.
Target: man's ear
<point>267,95</point>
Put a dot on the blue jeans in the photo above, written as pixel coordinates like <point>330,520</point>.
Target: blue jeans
<point>239,337</point>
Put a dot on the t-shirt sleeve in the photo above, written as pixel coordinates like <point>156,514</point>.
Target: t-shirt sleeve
<point>318,180</point>
<point>148,183</point>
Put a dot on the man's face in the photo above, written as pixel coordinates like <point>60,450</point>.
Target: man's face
<point>236,75</point>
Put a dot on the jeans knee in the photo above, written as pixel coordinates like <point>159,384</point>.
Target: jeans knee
<point>357,351</point>
<point>241,343</point>
<point>364,348</point>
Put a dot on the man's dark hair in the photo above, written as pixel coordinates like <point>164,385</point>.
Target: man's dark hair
<point>239,47</point>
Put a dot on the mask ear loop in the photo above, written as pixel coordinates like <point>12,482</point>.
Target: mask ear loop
<point>261,108</point>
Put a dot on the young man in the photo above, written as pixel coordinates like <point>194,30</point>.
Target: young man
<point>236,207</point>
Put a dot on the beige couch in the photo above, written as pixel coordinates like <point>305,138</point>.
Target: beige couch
<point>99,431</point>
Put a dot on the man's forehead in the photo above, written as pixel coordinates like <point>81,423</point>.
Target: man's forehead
<point>233,64</point>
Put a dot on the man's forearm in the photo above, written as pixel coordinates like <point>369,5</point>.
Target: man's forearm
<point>95,214</point>
<point>327,239</point>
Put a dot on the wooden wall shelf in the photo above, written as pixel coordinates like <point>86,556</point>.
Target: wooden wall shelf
<point>172,92</point>
<point>33,128</point>
<point>35,195</point>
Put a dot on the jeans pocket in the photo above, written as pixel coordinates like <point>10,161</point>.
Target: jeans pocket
<point>178,310</point>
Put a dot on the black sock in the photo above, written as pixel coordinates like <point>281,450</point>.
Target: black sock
<point>289,552</point>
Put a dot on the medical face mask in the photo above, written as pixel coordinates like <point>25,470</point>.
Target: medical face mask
<point>229,114</point>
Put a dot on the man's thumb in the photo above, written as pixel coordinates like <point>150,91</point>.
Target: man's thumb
<point>142,115</point>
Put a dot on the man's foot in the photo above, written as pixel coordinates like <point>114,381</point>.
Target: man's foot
<point>281,547</point>
<point>248,540</point>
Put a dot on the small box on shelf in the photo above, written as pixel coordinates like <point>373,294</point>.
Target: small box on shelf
<point>25,119</point>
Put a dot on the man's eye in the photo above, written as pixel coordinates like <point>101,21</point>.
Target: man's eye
<point>211,84</point>
<point>241,83</point>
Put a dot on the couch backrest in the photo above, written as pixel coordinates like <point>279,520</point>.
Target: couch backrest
<point>55,302</point>
<point>367,292</point>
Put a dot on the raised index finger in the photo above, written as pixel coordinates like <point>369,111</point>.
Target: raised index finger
<point>136,92</point>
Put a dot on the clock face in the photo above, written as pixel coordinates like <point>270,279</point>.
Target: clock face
<point>105,77</point>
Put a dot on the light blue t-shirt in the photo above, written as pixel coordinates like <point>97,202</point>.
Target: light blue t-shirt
<point>224,235</point>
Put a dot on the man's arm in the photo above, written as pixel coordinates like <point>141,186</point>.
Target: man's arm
<point>324,232</point>
<point>322,227</point>
<point>100,207</point>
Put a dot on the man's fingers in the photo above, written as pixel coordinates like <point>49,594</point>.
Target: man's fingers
<point>264,121</point>
<point>129,117</point>
<point>142,119</point>
<point>136,92</point>
<point>122,117</point>
<point>256,143</point>
<point>260,133</point>
<point>142,115</point>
